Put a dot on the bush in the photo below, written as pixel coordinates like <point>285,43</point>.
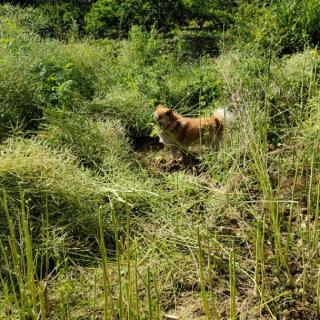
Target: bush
<point>103,18</point>
<point>114,18</point>
<point>27,18</point>
<point>287,26</point>
<point>195,43</point>
<point>20,99</point>
<point>36,75</point>
<point>63,85</point>
<point>215,14</point>
<point>32,83</point>
<point>164,15</point>
<point>64,20</point>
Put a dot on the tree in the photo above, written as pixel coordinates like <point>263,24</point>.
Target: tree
<point>218,12</point>
<point>103,18</point>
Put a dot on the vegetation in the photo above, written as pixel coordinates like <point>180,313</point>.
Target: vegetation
<point>94,223</point>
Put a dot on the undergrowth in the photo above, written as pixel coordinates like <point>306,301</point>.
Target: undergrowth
<point>93,229</point>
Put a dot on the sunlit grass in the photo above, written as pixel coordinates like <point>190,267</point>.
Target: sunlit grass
<point>92,228</point>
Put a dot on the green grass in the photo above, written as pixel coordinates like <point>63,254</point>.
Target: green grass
<point>92,228</point>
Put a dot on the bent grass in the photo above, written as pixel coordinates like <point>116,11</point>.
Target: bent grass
<point>244,231</point>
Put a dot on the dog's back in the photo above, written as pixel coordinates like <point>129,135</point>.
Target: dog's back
<point>193,131</point>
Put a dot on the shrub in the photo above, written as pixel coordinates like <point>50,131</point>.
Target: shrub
<point>216,14</point>
<point>20,99</point>
<point>103,18</point>
<point>288,26</point>
<point>61,21</point>
<point>114,18</point>
<point>26,18</point>
<point>32,83</point>
<point>164,15</point>
<point>63,85</point>
<point>64,20</point>
<point>195,43</point>
<point>37,75</point>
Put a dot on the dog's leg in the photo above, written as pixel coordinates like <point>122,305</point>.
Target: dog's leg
<point>175,153</point>
<point>180,155</point>
<point>185,156</point>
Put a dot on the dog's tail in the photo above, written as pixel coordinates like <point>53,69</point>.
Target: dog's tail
<point>225,117</point>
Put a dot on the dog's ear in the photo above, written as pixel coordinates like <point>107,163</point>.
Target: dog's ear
<point>169,113</point>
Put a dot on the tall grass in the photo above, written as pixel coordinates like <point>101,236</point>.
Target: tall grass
<point>92,228</point>
<point>26,289</point>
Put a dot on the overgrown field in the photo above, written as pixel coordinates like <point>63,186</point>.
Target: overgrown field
<point>93,222</point>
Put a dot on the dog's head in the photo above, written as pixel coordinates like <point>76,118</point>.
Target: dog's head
<point>164,116</point>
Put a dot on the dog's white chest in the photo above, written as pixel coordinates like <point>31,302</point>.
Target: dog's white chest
<point>165,138</point>
<point>160,138</point>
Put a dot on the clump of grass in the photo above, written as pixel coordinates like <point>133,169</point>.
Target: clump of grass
<point>25,161</point>
<point>132,108</point>
<point>99,144</point>
<point>31,165</point>
<point>19,262</point>
<point>54,180</point>
<point>307,131</point>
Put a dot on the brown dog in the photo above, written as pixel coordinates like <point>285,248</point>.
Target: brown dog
<point>179,133</point>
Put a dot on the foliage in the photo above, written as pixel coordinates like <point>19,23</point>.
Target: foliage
<point>111,17</point>
<point>143,73</point>
<point>103,18</point>
<point>115,18</point>
<point>63,20</point>
<point>216,14</point>
<point>164,15</point>
<point>62,85</point>
<point>97,144</point>
<point>37,75</point>
<point>20,99</point>
<point>92,227</point>
<point>288,26</point>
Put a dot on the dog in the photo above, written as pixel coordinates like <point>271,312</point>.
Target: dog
<point>180,133</point>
